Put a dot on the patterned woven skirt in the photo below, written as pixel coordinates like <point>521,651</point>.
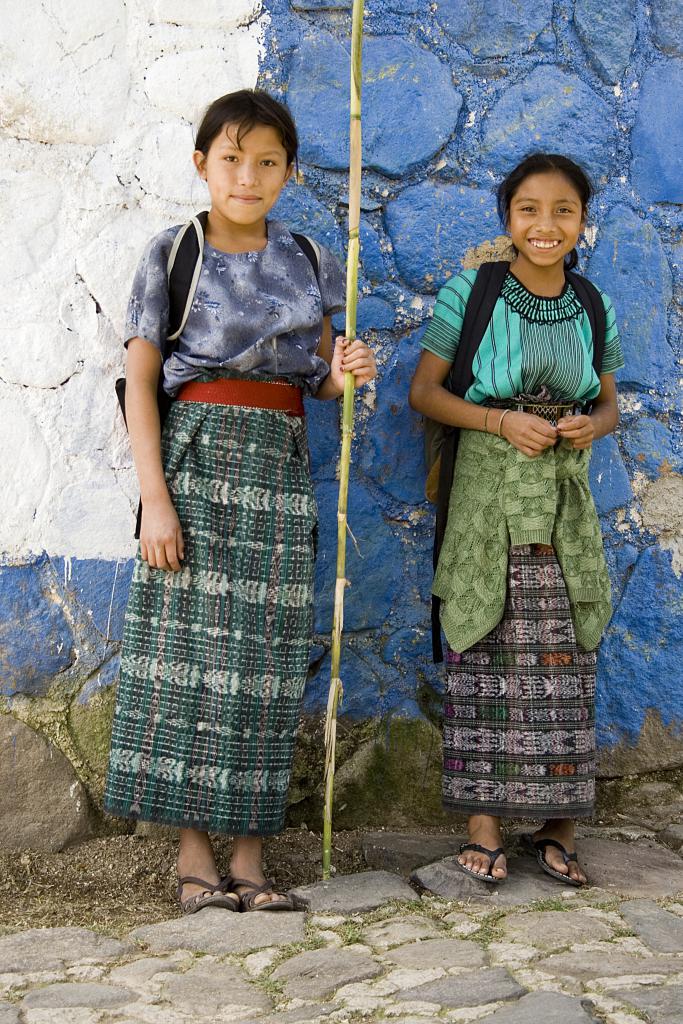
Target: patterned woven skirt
<point>215,656</point>
<point>519,706</point>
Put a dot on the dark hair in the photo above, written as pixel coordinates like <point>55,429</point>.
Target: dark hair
<point>545,163</point>
<point>246,108</point>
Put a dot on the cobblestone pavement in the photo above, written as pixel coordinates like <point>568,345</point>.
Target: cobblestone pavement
<point>372,947</point>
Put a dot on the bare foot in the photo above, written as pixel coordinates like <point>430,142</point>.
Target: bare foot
<point>484,830</point>
<point>562,830</point>
<point>246,862</point>
<point>195,858</point>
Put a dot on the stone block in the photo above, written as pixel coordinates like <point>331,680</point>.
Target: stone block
<point>375,571</point>
<point>471,989</point>
<point>212,932</point>
<point>446,953</point>
<point>663,1004</point>
<point>363,686</point>
<point>494,29</point>
<point>371,254</point>
<point>71,994</point>
<point>23,444</point>
<point>323,438</point>
<point>45,949</point>
<point>667,26</point>
<point>524,884</point>
<point>431,226</point>
<point>373,314</point>
<point>403,852</point>
<point>608,966</point>
<point>657,136</point>
<point>654,804</point>
<point>9,1014</point>
<point>609,482</point>
<point>399,930</point>
<point>649,442</point>
<point>640,870</point>
<point>553,111</point>
<point>641,647</point>
<point>608,31</point>
<point>354,894</point>
<point>662,506</point>
<point>410,106</point>
<point>543,1008</point>
<point>101,589</point>
<point>210,991</point>
<point>36,642</point>
<point>672,836</point>
<point>659,929</point>
<point>554,929</point>
<point>393,452</point>
<point>318,973</point>
<point>183,84</point>
<point>630,265</point>
<point>43,804</point>
<point>301,210</point>
<point>74,88</point>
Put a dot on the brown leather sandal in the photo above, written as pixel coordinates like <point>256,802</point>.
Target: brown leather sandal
<point>213,895</point>
<point>248,903</point>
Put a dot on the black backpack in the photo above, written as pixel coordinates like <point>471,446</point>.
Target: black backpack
<point>184,267</point>
<point>443,439</point>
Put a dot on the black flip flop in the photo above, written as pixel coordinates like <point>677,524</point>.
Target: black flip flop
<point>492,855</point>
<point>537,847</point>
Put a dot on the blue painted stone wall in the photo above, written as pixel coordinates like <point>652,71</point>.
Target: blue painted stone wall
<point>455,92</point>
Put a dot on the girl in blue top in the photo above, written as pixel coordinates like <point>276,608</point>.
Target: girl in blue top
<point>219,619</point>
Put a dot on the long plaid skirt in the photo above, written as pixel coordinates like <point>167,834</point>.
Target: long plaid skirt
<point>519,706</point>
<point>215,656</point>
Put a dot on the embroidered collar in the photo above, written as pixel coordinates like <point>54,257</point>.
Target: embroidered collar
<point>539,308</point>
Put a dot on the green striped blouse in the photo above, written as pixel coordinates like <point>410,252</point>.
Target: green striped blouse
<point>531,341</point>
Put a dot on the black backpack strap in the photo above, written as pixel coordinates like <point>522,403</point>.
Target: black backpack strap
<point>478,312</point>
<point>591,300</point>
<point>310,250</point>
<point>184,268</point>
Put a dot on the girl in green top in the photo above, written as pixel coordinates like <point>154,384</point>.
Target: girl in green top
<point>519,737</point>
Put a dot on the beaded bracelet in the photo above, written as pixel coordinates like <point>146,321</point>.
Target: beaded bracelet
<point>500,421</point>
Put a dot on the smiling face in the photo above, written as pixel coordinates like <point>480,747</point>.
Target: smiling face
<point>244,177</point>
<point>545,220</point>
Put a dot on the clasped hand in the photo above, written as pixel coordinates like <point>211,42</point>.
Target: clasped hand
<point>352,357</point>
<point>531,434</point>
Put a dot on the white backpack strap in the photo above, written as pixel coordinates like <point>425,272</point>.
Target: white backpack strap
<point>197,270</point>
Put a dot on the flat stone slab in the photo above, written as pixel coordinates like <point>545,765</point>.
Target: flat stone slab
<point>398,930</point>
<point>444,953</point>
<point>658,928</point>
<point>542,1008</point>
<point>46,949</point>
<point>524,884</point>
<point>9,1014</point>
<point>72,994</point>
<point>588,965</point>
<point>209,989</point>
<point>663,1004</point>
<point>318,973</point>
<point>220,931</point>
<point>641,870</point>
<point>672,836</point>
<point>473,989</point>
<point>555,929</point>
<point>354,894</point>
<point>402,852</point>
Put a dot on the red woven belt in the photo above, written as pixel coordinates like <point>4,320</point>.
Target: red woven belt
<point>255,394</point>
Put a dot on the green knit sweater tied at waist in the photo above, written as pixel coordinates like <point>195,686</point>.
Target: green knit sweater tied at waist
<point>501,497</point>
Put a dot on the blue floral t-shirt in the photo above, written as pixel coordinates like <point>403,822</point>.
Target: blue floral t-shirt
<point>254,314</point>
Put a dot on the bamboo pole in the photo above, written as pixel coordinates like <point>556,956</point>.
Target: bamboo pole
<point>336,689</point>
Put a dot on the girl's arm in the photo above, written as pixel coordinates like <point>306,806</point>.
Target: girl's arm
<point>529,434</point>
<point>581,431</point>
<point>353,356</point>
<point>161,539</point>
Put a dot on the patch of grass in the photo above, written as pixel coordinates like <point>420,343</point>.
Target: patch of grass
<point>489,930</point>
<point>350,932</point>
